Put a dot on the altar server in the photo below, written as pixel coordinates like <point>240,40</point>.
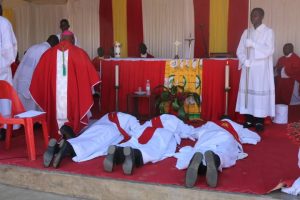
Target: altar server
<point>256,95</point>
<point>8,53</point>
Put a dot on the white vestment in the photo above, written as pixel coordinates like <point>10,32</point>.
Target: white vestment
<point>260,90</point>
<point>95,141</point>
<point>164,140</point>
<point>8,53</point>
<point>23,75</point>
<point>212,137</point>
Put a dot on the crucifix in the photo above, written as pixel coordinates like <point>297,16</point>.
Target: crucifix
<point>190,40</point>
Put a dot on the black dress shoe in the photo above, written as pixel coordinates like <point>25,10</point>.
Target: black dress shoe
<point>129,162</point>
<point>65,150</point>
<point>259,127</point>
<point>109,160</point>
<point>67,132</point>
<point>248,124</point>
<point>212,170</point>
<point>191,175</point>
<point>49,153</point>
<point>2,134</point>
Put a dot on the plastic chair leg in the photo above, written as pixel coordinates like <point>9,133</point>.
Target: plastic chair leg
<point>8,136</point>
<point>45,133</point>
<point>29,135</point>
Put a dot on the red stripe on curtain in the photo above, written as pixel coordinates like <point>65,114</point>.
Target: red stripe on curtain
<point>237,22</point>
<point>201,10</point>
<point>134,27</point>
<point>106,25</point>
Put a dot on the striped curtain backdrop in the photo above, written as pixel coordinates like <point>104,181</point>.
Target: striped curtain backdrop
<point>217,26</point>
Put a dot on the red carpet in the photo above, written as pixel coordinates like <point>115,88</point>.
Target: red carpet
<point>272,161</point>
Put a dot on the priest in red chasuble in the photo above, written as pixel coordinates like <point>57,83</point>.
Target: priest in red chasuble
<point>288,78</point>
<point>62,85</point>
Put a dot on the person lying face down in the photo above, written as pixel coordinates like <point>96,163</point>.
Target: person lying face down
<point>218,146</point>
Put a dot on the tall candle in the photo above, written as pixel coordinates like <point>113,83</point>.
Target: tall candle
<point>117,75</point>
<point>226,75</point>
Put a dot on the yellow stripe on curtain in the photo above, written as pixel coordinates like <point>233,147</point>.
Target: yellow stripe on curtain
<point>119,10</point>
<point>8,13</point>
<point>218,25</point>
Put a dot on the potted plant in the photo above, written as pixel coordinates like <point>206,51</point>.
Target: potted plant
<point>172,100</point>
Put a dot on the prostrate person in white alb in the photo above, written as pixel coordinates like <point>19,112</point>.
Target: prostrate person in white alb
<point>218,146</point>
<point>157,139</point>
<point>23,76</point>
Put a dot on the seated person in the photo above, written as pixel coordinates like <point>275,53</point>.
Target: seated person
<point>143,51</point>
<point>219,146</point>
<point>288,77</point>
<point>97,64</point>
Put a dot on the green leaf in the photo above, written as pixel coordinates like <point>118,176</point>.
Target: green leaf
<point>175,105</point>
<point>182,113</point>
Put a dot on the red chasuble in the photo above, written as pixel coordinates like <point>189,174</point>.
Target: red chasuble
<point>82,76</point>
<point>285,86</point>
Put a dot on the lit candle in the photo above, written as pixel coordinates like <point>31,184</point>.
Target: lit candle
<point>226,75</point>
<point>117,75</point>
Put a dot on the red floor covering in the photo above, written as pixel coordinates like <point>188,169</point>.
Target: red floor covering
<point>272,161</point>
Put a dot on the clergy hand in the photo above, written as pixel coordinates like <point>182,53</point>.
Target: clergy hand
<point>247,63</point>
<point>249,43</point>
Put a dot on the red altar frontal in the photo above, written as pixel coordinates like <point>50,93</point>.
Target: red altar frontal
<point>133,73</point>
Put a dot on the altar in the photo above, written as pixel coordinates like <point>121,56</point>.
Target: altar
<point>133,73</point>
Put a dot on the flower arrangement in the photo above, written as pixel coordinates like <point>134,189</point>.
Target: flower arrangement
<point>171,100</point>
<point>294,132</point>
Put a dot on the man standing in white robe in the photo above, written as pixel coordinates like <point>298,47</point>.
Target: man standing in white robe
<point>256,96</point>
<point>8,53</point>
<point>218,146</point>
<point>23,76</point>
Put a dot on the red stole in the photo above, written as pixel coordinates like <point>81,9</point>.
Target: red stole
<point>228,127</point>
<point>82,76</point>
<point>149,131</point>
<point>113,117</point>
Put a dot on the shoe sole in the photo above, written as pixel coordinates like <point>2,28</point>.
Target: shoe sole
<point>192,171</point>
<point>128,163</point>
<point>49,154</point>
<point>108,162</point>
<point>58,156</point>
<point>211,172</point>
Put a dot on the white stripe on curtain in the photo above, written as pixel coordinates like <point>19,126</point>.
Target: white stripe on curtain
<point>164,22</point>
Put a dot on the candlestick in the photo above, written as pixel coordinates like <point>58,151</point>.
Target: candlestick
<point>226,75</point>
<point>117,75</point>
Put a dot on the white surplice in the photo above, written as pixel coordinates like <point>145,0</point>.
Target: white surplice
<point>261,89</point>
<point>23,75</point>
<point>164,140</point>
<point>212,137</point>
<point>8,53</point>
<point>95,141</point>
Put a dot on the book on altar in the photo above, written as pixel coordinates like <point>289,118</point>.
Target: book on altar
<point>29,113</point>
